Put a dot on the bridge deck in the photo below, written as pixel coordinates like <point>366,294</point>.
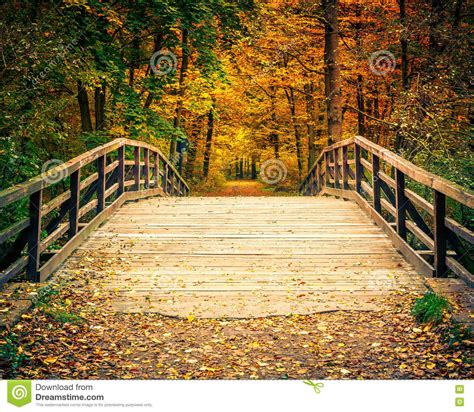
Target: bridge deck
<point>241,257</point>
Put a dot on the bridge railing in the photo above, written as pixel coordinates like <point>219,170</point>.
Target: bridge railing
<point>67,202</point>
<point>387,187</point>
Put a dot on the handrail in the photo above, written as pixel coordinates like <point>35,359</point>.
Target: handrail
<point>377,184</point>
<point>110,181</point>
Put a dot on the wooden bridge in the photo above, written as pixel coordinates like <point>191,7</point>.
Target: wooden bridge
<point>123,213</point>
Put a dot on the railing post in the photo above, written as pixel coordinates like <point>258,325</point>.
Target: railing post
<point>316,180</point>
<point>345,178</point>
<point>439,231</point>
<point>164,179</point>
<point>337,174</point>
<point>358,168</point>
<point>34,236</point>
<point>74,203</point>
<point>121,170</point>
<point>327,167</point>
<point>101,183</point>
<point>136,168</point>
<point>146,156</point>
<point>171,182</point>
<point>376,182</point>
<point>156,168</point>
<point>401,203</point>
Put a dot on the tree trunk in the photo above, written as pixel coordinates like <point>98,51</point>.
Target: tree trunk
<point>290,96</point>
<point>99,103</point>
<point>332,71</point>
<point>194,140</point>
<point>310,125</point>
<point>207,149</point>
<point>179,107</point>
<point>158,44</point>
<point>254,166</point>
<point>404,43</point>
<point>360,107</point>
<point>83,100</point>
<point>241,168</point>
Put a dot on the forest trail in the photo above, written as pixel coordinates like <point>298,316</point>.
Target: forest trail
<point>241,188</point>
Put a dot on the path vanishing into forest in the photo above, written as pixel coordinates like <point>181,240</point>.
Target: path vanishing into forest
<point>162,284</point>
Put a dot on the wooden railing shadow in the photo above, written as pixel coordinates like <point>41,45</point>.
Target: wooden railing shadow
<point>96,184</point>
<point>378,180</point>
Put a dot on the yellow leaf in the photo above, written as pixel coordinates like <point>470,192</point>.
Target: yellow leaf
<point>430,365</point>
<point>50,360</point>
<point>403,366</point>
<point>191,317</point>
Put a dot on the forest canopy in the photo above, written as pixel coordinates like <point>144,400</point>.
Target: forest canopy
<point>224,86</point>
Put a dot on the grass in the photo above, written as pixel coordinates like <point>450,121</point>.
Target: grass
<point>11,353</point>
<point>430,308</point>
<point>57,310</point>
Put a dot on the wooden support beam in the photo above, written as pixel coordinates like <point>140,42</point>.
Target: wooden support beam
<point>156,168</point>
<point>101,183</point>
<point>401,204</point>
<point>337,172</point>
<point>121,170</point>
<point>376,182</point>
<point>146,156</point>
<point>345,166</point>
<point>74,203</point>
<point>358,168</point>
<point>34,237</point>
<point>439,231</point>
<point>165,177</point>
<point>136,169</point>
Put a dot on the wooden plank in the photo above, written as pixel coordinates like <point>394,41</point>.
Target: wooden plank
<point>44,180</point>
<point>456,192</point>
<point>439,231</point>
<point>101,183</point>
<point>410,254</point>
<point>121,171</point>
<point>74,203</point>
<point>400,204</point>
<point>358,168</point>
<point>13,230</point>
<point>146,155</point>
<point>376,183</point>
<point>13,270</point>
<point>136,168</point>
<point>34,237</point>
<point>337,173</point>
<point>345,184</point>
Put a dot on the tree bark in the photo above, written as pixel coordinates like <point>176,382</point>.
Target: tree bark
<point>99,103</point>
<point>310,125</point>
<point>207,149</point>
<point>83,100</point>
<point>178,147</point>
<point>290,96</point>
<point>193,146</point>
<point>332,71</point>
<point>254,166</point>
<point>404,43</point>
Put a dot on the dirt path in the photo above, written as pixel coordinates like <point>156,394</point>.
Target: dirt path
<point>242,188</point>
<point>74,336</point>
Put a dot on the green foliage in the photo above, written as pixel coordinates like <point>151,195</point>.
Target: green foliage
<point>430,308</point>
<point>45,295</point>
<point>11,353</point>
<point>61,315</point>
